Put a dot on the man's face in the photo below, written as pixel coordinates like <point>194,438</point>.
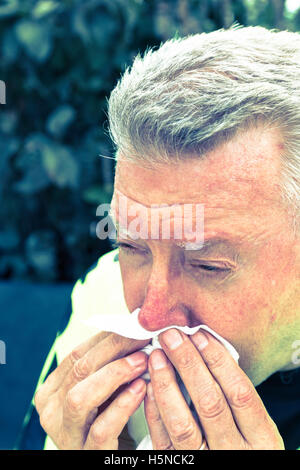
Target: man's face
<point>252,299</point>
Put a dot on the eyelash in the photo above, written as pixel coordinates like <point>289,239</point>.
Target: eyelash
<point>132,250</point>
<point>209,268</point>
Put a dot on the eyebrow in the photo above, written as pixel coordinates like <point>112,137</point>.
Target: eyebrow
<point>204,246</point>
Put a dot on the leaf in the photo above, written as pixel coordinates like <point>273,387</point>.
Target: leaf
<point>35,38</point>
<point>44,161</point>
<point>11,8</point>
<point>60,165</point>
<point>8,122</point>
<point>34,180</point>
<point>60,119</point>
<point>44,8</point>
<point>95,21</point>
<point>29,161</point>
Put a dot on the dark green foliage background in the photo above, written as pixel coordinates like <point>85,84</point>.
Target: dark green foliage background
<point>59,61</point>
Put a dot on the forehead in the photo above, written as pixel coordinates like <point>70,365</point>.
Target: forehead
<point>240,173</point>
<point>238,184</point>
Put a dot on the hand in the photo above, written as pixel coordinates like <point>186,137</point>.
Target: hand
<point>230,411</point>
<point>86,402</point>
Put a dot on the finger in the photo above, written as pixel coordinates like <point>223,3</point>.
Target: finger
<point>56,378</point>
<point>208,398</point>
<point>108,426</point>
<point>248,410</point>
<point>109,349</point>
<point>89,394</point>
<point>158,433</point>
<point>180,424</point>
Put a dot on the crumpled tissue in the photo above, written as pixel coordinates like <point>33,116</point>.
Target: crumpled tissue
<point>129,326</point>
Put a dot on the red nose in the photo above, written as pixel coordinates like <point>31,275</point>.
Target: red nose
<point>155,315</point>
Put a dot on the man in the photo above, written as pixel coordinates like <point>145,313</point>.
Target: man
<point>211,119</point>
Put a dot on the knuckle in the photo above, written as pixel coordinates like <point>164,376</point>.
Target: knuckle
<point>188,360</point>
<point>242,395</point>
<point>98,434</point>
<point>182,430</point>
<point>215,359</point>
<point>75,354</point>
<point>212,404</point>
<point>81,368</point>
<point>164,446</point>
<point>74,403</point>
<point>162,385</point>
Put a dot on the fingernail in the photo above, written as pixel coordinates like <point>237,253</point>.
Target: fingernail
<point>136,359</point>
<point>158,360</point>
<point>136,387</point>
<point>172,338</point>
<point>200,340</point>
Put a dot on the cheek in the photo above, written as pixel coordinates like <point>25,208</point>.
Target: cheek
<point>229,313</point>
<point>254,303</point>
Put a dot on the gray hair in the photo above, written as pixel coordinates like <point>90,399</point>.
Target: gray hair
<point>194,93</point>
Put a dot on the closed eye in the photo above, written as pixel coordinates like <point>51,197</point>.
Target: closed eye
<point>133,250</point>
<point>210,268</point>
<point>130,249</point>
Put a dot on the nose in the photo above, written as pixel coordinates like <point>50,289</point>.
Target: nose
<point>160,309</point>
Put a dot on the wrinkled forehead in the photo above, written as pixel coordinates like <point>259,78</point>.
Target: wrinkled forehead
<point>183,223</point>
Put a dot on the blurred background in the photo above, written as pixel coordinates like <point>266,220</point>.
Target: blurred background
<point>59,61</point>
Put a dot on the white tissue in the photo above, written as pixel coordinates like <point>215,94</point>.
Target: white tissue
<point>129,326</point>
